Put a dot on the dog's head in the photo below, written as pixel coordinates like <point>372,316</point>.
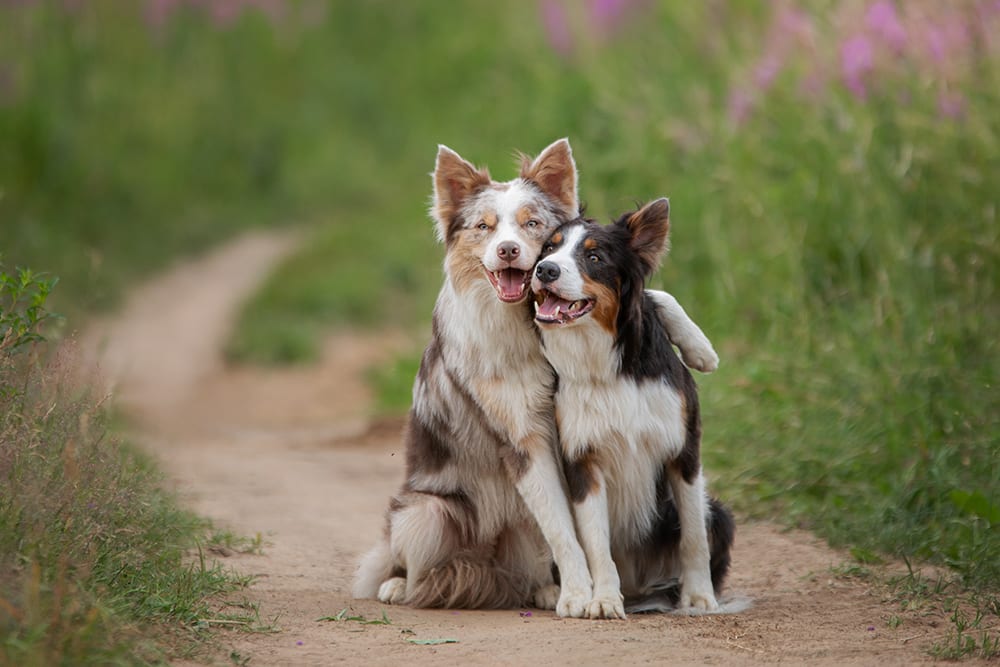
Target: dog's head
<point>596,273</point>
<point>494,231</point>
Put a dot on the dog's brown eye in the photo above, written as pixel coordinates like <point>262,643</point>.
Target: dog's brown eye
<point>547,248</point>
<point>593,257</point>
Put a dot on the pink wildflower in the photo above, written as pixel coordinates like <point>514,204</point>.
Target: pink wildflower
<point>767,70</point>
<point>951,105</point>
<point>606,14</point>
<point>856,61</point>
<point>883,21</point>
<point>557,27</point>
<point>739,105</point>
<point>948,35</point>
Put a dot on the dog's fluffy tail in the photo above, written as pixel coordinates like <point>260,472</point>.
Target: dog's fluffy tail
<point>470,583</point>
<point>721,529</point>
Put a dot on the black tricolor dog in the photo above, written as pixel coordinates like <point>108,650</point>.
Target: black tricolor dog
<point>628,418</point>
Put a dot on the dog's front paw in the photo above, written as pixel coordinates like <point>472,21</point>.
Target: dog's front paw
<point>573,602</point>
<point>700,600</point>
<point>547,597</point>
<point>392,591</point>
<point>608,605</point>
<point>698,353</point>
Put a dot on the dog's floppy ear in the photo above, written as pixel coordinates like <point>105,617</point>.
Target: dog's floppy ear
<point>554,171</point>
<point>454,180</point>
<point>649,228</point>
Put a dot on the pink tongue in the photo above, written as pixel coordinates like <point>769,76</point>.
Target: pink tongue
<point>511,282</point>
<point>548,307</point>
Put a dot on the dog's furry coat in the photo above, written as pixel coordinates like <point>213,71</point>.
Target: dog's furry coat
<point>628,418</point>
<point>484,511</point>
<point>483,501</point>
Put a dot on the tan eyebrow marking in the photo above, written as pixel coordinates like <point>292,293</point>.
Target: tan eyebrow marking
<point>590,244</point>
<point>557,239</point>
<point>524,214</point>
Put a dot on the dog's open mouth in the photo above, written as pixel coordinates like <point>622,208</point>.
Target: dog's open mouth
<point>552,309</point>
<point>511,284</point>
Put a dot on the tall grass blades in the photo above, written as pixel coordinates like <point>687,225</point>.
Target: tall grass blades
<point>92,551</point>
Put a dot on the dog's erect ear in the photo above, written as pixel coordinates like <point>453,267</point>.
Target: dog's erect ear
<point>555,173</point>
<point>649,228</point>
<point>454,181</point>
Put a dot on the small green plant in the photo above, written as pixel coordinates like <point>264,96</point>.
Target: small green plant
<point>967,639</point>
<point>23,294</point>
<point>245,618</point>
<point>852,571</point>
<point>226,542</point>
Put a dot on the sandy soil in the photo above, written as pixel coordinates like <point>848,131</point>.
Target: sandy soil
<point>292,454</point>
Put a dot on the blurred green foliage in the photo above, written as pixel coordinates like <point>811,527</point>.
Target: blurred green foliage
<point>841,247</point>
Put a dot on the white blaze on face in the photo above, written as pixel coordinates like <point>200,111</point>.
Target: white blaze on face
<point>507,204</point>
<point>503,205</point>
<point>559,285</point>
<point>569,284</point>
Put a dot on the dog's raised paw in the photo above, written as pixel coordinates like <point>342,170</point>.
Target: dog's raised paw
<point>392,591</point>
<point>547,597</point>
<point>699,354</point>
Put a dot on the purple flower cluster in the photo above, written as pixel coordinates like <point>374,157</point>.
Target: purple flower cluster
<point>222,12</point>
<point>865,45</point>
<point>598,18</point>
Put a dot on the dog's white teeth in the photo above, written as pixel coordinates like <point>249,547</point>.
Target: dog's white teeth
<point>575,305</point>
<point>558,311</point>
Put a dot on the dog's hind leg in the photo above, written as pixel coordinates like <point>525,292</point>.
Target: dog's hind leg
<point>374,570</point>
<point>522,548</point>
<point>433,539</point>
<point>423,533</point>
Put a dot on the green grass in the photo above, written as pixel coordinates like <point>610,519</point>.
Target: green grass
<point>98,564</point>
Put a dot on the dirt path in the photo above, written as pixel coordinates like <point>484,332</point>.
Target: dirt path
<point>289,454</point>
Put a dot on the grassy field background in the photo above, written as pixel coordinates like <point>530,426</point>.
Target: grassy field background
<point>833,169</point>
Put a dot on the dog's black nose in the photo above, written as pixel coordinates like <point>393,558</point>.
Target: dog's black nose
<point>508,250</point>
<point>547,271</point>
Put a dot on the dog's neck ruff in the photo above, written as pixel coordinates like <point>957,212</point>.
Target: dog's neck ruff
<point>584,352</point>
<point>484,334</point>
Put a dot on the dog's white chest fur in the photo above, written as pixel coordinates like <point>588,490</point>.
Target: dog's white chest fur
<point>634,426</point>
<point>496,353</point>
